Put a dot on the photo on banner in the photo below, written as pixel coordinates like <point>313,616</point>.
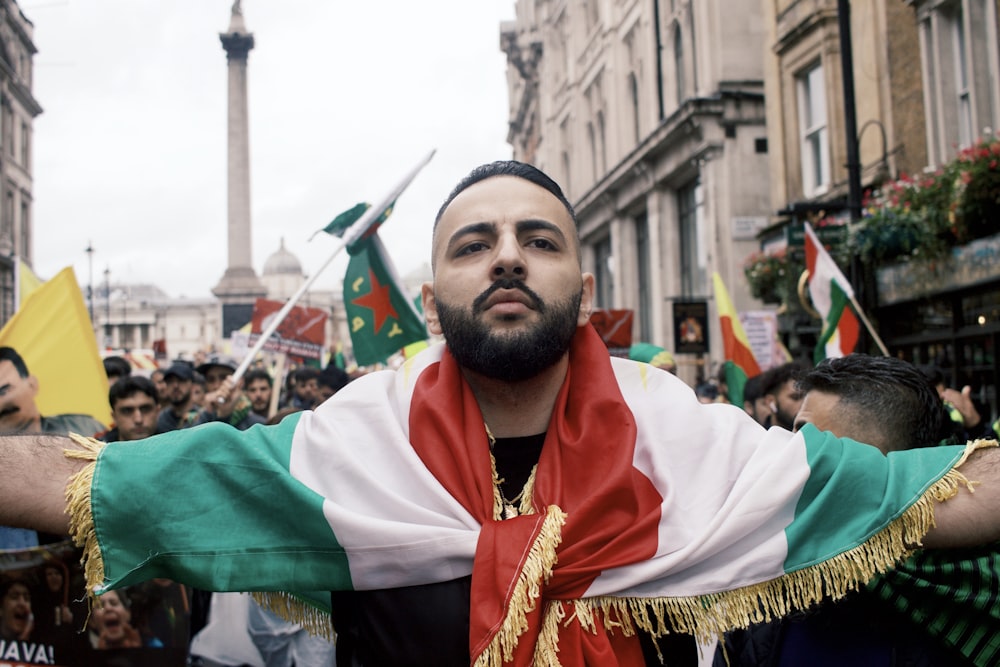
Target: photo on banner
<point>45,619</point>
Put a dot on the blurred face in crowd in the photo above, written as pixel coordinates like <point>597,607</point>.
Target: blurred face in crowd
<point>161,385</point>
<point>15,611</point>
<point>307,390</point>
<point>214,376</point>
<point>786,403</point>
<point>135,416</point>
<point>18,412</point>
<point>54,579</point>
<point>259,393</point>
<point>112,618</point>
<point>177,391</point>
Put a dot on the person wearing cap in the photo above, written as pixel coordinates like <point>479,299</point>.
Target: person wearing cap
<point>654,355</point>
<point>234,408</point>
<point>180,411</point>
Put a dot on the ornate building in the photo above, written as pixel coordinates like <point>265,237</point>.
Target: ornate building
<point>651,116</point>
<point>18,109</point>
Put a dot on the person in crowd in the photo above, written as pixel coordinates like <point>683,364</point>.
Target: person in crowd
<point>116,368</point>
<point>259,386</point>
<point>231,407</point>
<point>134,409</point>
<point>654,355</point>
<point>59,612</point>
<point>199,391</point>
<point>16,621</point>
<point>331,380</point>
<point>547,501</point>
<point>181,411</point>
<point>780,394</point>
<point>939,608</point>
<point>755,403</point>
<point>962,420</point>
<point>304,389</point>
<point>157,378</point>
<point>707,392</point>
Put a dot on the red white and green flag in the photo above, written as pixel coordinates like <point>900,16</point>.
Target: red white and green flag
<point>740,364</point>
<point>832,296</point>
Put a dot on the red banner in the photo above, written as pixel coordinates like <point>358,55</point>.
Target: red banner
<point>302,333</point>
<point>615,328</point>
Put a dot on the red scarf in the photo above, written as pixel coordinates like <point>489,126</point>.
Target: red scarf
<point>585,469</point>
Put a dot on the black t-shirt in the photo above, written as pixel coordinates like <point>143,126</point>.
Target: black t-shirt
<point>429,625</point>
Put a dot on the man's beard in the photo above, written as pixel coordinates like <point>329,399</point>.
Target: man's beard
<point>510,357</point>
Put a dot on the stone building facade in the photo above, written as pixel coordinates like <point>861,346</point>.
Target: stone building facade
<point>18,109</point>
<point>651,116</point>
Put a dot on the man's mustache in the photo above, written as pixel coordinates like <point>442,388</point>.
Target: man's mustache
<point>508,283</point>
<point>9,410</point>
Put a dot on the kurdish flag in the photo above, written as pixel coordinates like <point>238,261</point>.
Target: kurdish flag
<point>740,364</point>
<point>390,483</point>
<point>831,295</point>
<point>381,317</point>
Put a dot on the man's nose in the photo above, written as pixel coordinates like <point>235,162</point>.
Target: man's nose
<point>508,260</point>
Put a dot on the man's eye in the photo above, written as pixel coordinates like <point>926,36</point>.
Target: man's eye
<point>543,244</point>
<point>469,248</point>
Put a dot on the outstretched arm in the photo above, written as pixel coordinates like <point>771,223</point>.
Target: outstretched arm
<point>971,518</point>
<point>35,471</point>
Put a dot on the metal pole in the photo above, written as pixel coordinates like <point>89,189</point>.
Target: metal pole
<point>107,296</point>
<point>850,110</point>
<point>90,285</point>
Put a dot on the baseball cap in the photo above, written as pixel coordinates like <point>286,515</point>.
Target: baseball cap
<point>217,360</point>
<point>181,370</point>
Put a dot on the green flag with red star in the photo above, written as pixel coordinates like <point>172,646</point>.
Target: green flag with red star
<point>380,315</point>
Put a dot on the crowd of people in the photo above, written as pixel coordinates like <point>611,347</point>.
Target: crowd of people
<point>518,496</point>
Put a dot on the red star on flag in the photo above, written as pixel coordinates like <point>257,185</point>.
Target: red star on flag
<point>378,301</point>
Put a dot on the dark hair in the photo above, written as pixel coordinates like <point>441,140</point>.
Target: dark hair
<point>334,378</point>
<point>11,355</point>
<point>890,394</point>
<point>753,389</point>
<point>305,373</point>
<point>773,378</point>
<point>508,168</point>
<point>197,378</point>
<point>7,584</point>
<point>129,386</point>
<point>117,366</point>
<point>257,374</point>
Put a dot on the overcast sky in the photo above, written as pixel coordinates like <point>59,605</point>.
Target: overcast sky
<point>344,98</point>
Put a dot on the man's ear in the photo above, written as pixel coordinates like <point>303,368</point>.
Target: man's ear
<point>430,308</point>
<point>33,384</point>
<point>586,300</point>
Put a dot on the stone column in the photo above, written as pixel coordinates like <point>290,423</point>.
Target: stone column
<point>239,286</point>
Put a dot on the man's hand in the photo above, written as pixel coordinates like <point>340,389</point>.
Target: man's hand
<point>222,401</point>
<point>962,401</point>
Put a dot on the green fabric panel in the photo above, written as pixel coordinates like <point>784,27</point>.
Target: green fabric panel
<point>218,538</point>
<point>854,491</point>
<point>736,380</point>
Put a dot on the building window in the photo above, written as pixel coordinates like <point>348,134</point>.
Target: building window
<point>566,162</point>
<point>604,275</point>
<point>642,253</point>
<point>7,224</point>
<point>815,145</point>
<point>25,250</point>
<point>25,145</point>
<point>592,143</point>
<point>694,254</point>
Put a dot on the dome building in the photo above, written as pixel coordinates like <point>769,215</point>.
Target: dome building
<point>282,275</point>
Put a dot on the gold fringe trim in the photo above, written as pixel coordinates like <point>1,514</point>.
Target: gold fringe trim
<point>315,621</point>
<point>81,520</point>
<point>527,590</point>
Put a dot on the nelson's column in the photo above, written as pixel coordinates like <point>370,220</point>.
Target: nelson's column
<point>239,286</point>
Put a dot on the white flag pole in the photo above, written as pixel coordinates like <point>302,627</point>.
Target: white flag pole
<point>353,233</point>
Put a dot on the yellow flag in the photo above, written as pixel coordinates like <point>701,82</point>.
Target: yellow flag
<point>53,334</point>
<point>28,282</point>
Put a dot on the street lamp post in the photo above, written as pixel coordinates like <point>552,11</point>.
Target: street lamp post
<point>107,296</point>
<point>90,286</point>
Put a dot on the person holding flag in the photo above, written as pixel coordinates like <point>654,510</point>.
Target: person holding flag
<point>550,503</point>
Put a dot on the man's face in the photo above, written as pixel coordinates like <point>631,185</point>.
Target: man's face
<point>18,412</point>
<point>214,376</point>
<point>508,293</point>
<point>177,391</point>
<point>259,393</point>
<point>787,401</point>
<point>306,390</point>
<point>15,611</point>
<point>161,385</point>
<point>135,416</point>
<point>760,410</point>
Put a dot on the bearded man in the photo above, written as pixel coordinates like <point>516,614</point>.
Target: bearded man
<point>514,495</point>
